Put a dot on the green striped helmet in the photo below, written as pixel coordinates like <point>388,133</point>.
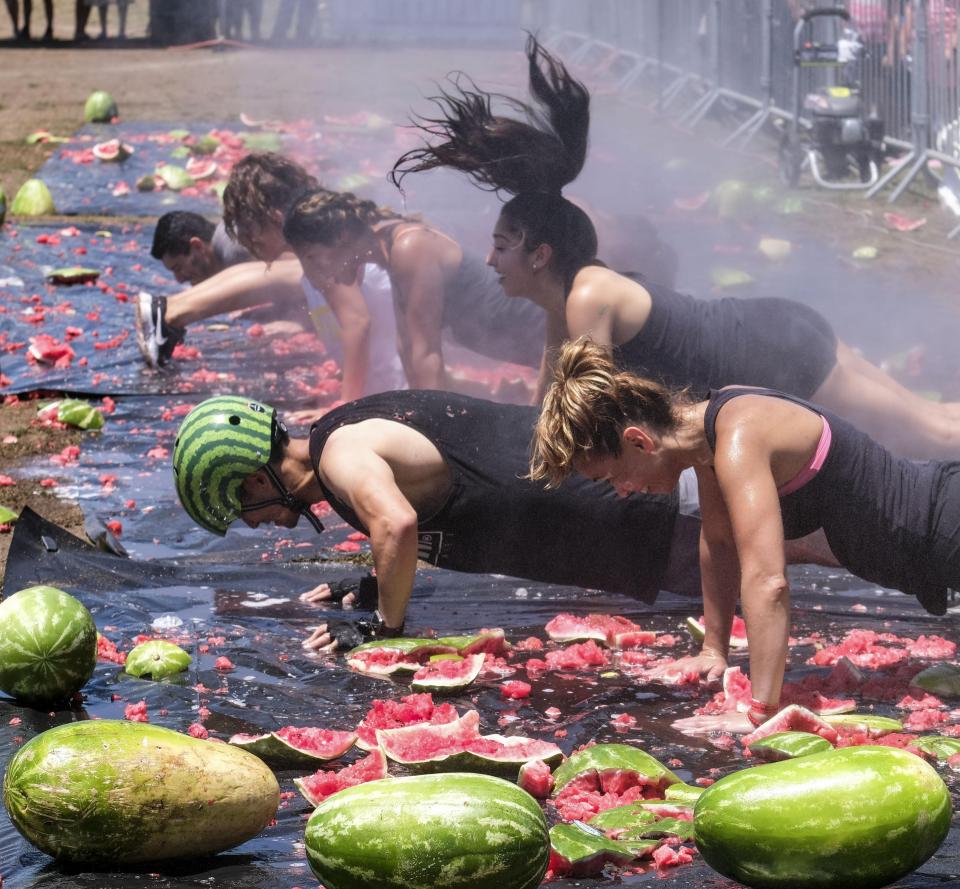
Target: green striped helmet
<point>222,441</point>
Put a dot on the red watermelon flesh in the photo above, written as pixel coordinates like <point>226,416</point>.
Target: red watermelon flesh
<point>594,791</point>
<point>536,778</point>
<point>577,657</point>
<point>318,741</point>
<point>294,747</point>
<point>415,709</point>
<point>422,743</point>
<point>321,784</point>
<point>737,694</point>
<point>793,719</point>
<point>449,674</point>
<point>612,630</point>
<point>382,661</point>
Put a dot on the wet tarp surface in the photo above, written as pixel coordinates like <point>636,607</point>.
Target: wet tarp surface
<point>247,610</point>
<point>349,153</point>
<point>94,322</point>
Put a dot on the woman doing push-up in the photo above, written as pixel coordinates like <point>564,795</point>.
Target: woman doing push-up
<point>769,466</point>
<point>545,249</point>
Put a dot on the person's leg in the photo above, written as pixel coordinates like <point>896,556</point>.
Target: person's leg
<point>306,13</point>
<point>81,15</point>
<point>48,11</point>
<point>897,418</point>
<point>281,25</point>
<point>122,7</point>
<point>13,9</point>
<point>255,11</point>
<point>27,15</point>
<point>102,12</point>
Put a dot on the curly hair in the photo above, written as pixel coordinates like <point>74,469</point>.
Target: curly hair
<point>322,216</point>
<point>588,405</point>
<point>260,184</point>
<point>531,158</point>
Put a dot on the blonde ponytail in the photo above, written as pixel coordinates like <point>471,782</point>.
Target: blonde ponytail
<point>587,407</point>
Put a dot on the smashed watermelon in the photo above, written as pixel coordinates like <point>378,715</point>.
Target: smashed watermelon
<point>416,709</point>
<point>611,630</point>
<point>738,632</point>
<point>445,675</point>
<point>321,784</point>
<point>793,719</point>
<point>292,747</point>
<point>387,656</point>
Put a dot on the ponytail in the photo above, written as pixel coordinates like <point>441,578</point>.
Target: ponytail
<point>587,407</point>
<point>321,217</point>
<point>531,158</point>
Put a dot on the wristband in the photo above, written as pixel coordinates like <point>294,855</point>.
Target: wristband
<point>760,711</point>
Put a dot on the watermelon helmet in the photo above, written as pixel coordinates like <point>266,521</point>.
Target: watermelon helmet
<point>221,442</point>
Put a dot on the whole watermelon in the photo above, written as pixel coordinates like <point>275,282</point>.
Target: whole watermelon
<point>853,818</point>
<point>451,831</point>
<point>100,107</point>
<point>48,645</point>
<point>116,793</point>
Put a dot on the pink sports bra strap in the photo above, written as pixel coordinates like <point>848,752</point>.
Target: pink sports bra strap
<point>813,467</point>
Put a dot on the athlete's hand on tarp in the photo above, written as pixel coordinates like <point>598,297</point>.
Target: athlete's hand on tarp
<point>735,723</point>
<point>344,635</point>
<point>708,665</point>
<point>350,593</point>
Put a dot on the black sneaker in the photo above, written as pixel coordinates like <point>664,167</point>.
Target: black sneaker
<point>155,337</point>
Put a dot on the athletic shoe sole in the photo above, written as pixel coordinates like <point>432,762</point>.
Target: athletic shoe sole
<point>146,342</point>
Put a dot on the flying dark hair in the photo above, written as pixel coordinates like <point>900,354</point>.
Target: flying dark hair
<point>174,231</point>
<point>532,159</point>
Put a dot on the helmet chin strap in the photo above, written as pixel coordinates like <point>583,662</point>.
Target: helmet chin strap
<point>285,499</point>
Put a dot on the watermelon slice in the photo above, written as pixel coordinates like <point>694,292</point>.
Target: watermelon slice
<point>484,642</point>
<point>643,820</point>
<point>49,350</point>
<point>417,709</point>
<point>201,168</point>
<point>157,659</point>
<point>793,718</point>
<point>940,679</point>
<point>611,630</point>
<point>871,725</point>
<point>317,787</point>
<point>447,676</point>
<point>113,151</point>
<point>292,747</point>
<point>938,746</point>
<point>74,274</point>
<point>582,850</point>
<point>738,632</point>
<point>382,657</point>
<point>789,745</point>
<point>458,746</point>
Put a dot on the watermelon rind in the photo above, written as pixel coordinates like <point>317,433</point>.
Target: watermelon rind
<point>613,631</point>
<point>641,822</point>
<point>873,725</point>
<point>100,107</point>
<point>586,849</point>
<point>514,752</point>
<point>854,818</point>
<point>456,831</point>
<point>625,817</point>
<point>621,757</point>
<point>488,641</point>
<point>114,793</point>
<point>698,631</point>
<point>75,412</point>
<point>422,648</point>
<point>940,679</point>
<point>939,746</point>
<point>430,678</point>
<point>33,198</point>
<point>73,274</point>
<point>8,516</point>
<point>789,745</point>
<point>683,793</point>
<point>432,714</point>
<point>174,177</point>
<point>281,750</point>
<point>157,659</point>
<point>48,645</point>
<point>443,741</point>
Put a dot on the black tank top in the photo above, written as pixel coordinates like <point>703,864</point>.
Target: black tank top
<point>494,521</point>
<point>881,514</point>
<point>707,344</point>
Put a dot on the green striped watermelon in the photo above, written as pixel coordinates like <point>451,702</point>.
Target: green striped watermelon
<point>48,645</point>
<point>116,792</point>
<point>855,818</point>
<point>157,659</point>
<point>604,759</point>
<point>789,745</point>
<point>455,831</point>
